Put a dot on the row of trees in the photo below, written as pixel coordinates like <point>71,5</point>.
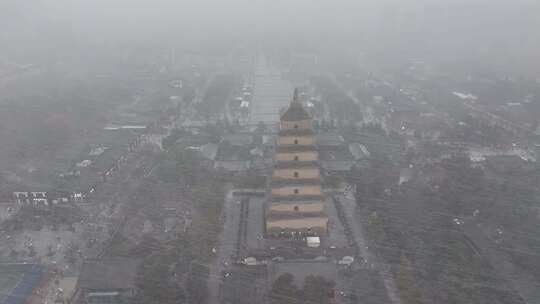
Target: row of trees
<point>411,228</point>
<point>342,107</point>
<point>174,271</point>
<point>477,131</point>
<point>316,290</point>
<point>213,102</point>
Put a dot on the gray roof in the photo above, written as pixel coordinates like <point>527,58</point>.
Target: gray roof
<point>296,164</point>
<point>298,197</point>
<point>295,112</point>
<point>233,165</point>
<point>227,152</point>
<point>358,151</point>
<point>108,274</point>
<point>280,182</point>
<point>329,139</point>
<point>296,132</point>
<point>209,150</point>
<point>335,153</point>
<point>238,139</point>
<point>53,173</point>
<point>296,148</point>
<point>298,215</point>
<point>268,140</point>
<point>405,174</point>
<point>344,165</point>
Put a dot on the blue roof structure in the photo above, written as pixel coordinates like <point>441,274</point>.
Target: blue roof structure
<point>30,279</point>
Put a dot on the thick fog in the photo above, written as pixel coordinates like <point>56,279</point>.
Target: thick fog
<point>270,151</point>
<point>501,30</point>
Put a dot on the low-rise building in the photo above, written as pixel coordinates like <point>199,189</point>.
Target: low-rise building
<point>20,281</point>
<point>336,158</point>
<point>232,158</point>
<point>76,175</point>
<point>110,280</point>
<point>506,164</point>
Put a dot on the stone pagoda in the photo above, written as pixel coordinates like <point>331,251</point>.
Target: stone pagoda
<point>296,202</point>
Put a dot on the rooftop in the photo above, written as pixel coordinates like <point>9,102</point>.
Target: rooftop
<point>294,182</point>
<point>209,150</point>
<point>295,132</point>
<point>295,164</point>
<point>342,165</point>
<point>329,139</point>
<point>18,281</point>
<point>506,163</point>
<point>299,215</point>
<point>335,153</point>
<point>239,139</point>
<point>79,166</point>
<point>297,198</point>
<point>227,151</point>
<point>295,148</point>
<point>108,274</point>
<point>358,151</point>
<point>296,111</point>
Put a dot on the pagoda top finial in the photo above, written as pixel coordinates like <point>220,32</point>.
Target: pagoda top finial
<point>295,99</point>
<point>296,111</point>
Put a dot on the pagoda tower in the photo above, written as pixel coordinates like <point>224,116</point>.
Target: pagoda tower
<point>296,201</point>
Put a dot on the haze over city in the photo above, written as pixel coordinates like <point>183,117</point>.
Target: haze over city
<point>269,151</point>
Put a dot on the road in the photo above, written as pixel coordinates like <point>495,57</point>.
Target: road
<point>270,93</point>
<point>349,205</point>
<point>254,223</point>
<point>226,247</point>
<point>496,119</point>
<point>521,282</point>
<point>369,115</point>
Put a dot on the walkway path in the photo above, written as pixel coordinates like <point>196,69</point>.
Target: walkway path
<point>270,93</point>
<point>349,205</point>
<point>226,246</point>
<point>524,284</point>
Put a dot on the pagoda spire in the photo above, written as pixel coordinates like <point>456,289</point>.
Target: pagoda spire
<point>295,100</point>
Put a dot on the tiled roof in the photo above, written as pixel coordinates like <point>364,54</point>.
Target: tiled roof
<point>296,148</point>
<point>295,112</point>
<point>299,215</point>
<point>295,164</point>
<point>107,274</point>
<point>280,182</point>
<point>298,197</point>
<point>296,132</point>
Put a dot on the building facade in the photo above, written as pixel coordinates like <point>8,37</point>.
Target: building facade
<point>296,206</point>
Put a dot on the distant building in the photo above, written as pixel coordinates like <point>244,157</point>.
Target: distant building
<point>329,139</point>
<point>75,180</point>
<point>31,197</point>
<point>296,206</point>
<point>232,158</point>
<point>358,151</point>
<point>506,164</point>
<point>405,175</point>
<point>336,158</point>
<point>19,281</point>
<point>238,139</point>
<point>109,280</point>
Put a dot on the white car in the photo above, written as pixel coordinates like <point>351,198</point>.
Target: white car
<point>457,221</point>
